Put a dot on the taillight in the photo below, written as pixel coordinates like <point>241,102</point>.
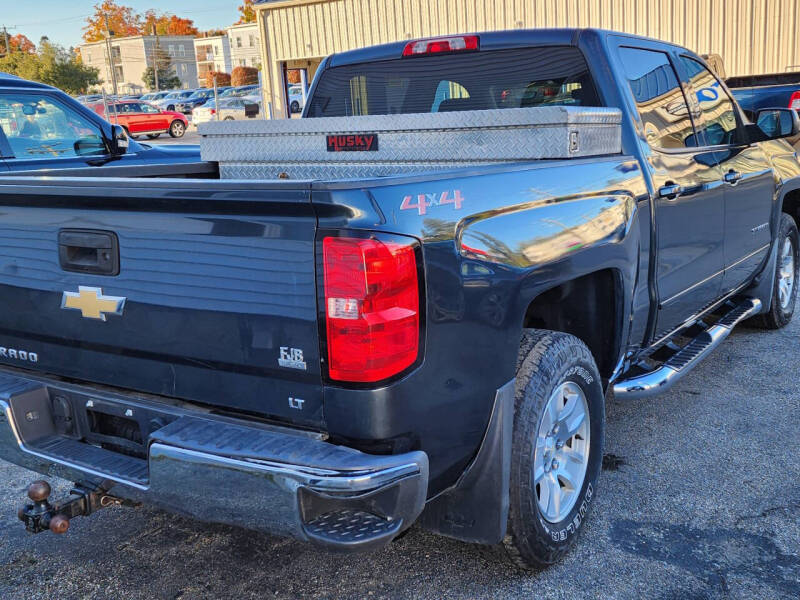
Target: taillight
<point>794,101</point>
<point>212,111</point>
<point>372,307</point>
<point>444,44</point>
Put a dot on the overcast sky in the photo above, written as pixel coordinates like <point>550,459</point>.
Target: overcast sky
<point>62,21</point>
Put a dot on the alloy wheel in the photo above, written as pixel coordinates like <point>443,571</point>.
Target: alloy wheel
<point>786,273</point>
<point>561,455</point>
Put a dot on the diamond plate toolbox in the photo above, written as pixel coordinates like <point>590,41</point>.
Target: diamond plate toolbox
<point>302,148</point>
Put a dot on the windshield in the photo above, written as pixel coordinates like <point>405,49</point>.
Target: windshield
<point>518,78</point>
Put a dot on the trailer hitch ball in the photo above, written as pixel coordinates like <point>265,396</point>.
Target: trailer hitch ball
<point>39,491</point>
<point>59,524</point>
<point>83,500</point>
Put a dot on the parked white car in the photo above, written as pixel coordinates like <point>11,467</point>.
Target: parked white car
<point>229,109</point>
<point>296,101</point>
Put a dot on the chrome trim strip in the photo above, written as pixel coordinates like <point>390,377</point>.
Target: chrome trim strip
<point>751,255</point>
<point>691,287</point>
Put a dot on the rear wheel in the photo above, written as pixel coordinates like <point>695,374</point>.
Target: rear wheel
<point>557,447</point>
<point>784,290</point>
<point>295,106</point>
<point>177,129</point>
<point>228,119</point>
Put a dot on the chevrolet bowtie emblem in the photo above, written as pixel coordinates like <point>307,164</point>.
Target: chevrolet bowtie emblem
<point>92,303</point>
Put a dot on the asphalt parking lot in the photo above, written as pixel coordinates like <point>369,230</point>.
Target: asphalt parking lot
<point>701,499</point>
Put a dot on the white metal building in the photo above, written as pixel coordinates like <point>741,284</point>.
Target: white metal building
<point>130,57</point>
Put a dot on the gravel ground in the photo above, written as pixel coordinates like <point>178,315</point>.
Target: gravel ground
<point>702,501</point>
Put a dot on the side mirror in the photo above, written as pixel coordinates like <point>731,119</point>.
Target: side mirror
<point>119,140</point>
<point>89,145</point>
<point>776,123</point>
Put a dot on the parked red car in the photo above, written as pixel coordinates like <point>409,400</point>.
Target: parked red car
<point>140,118</point>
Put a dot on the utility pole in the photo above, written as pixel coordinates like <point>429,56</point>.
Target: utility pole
<point>110,59</point>
<point>156,49</point>
<point>5,34</point>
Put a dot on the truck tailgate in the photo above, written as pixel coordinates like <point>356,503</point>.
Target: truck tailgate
<point>214,299</point>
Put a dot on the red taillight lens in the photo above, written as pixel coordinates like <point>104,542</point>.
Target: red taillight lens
<point>371,307</point>
<point>794,101</point>
<point>445,44</point>
<point>212,111</point>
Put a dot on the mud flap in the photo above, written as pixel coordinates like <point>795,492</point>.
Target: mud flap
<point>475,509</point>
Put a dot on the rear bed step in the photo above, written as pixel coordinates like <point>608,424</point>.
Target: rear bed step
<point>663,377</point>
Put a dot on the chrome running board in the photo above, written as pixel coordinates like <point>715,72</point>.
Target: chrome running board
<point>686,358</point>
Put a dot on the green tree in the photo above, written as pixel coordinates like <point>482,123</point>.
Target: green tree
<point>167,78</point>
<point>53,65</point>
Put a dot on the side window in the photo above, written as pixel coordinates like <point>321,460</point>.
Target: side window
<point>37,127</point>
<point>718,121</point>
<point>659,98</point>
<point>148,108</point>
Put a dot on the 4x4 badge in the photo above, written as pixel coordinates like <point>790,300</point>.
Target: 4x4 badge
<point>92,303</point>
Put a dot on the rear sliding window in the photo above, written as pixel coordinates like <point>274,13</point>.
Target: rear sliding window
<point>518,78</point>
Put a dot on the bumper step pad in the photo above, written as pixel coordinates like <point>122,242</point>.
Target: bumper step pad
<point>350,527</point>
<point>84,456</point>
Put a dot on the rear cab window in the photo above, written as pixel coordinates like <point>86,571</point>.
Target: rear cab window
<point>479,80</point>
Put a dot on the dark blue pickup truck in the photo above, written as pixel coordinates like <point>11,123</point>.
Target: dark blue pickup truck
<point>754,92</point>
<point>759,92</point>
<point>378,334</point>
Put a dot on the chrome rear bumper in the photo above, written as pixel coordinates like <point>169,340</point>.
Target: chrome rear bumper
<point>223,471</point>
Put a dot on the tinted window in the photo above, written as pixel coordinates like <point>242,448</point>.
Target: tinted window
<point>718,117</point>
<point>37,127</point>
<point>459,81</point>
<point>659,98</point>
<point>128,108</point>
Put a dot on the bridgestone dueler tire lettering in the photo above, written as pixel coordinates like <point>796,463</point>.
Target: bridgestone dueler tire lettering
<point>547,359</point>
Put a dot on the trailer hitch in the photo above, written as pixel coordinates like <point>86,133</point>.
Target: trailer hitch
<point>83,500</point>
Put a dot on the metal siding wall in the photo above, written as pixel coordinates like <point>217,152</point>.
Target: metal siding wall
<point>752,36</point>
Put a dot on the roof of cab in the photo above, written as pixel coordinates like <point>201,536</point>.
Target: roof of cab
<point>489,40</point>
<point>9,80</point>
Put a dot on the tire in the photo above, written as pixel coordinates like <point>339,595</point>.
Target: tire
<point>552,366</point>
<point>153,136</point>
<point>177,129</point>
<point>171,107</point>
<point>228,119</point>
<point>783,298</point>
<point>295,106</point>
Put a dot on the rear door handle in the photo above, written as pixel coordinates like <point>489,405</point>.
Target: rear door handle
<point>88,251</point>
<point>670,191</point>
<point>732,177</point>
